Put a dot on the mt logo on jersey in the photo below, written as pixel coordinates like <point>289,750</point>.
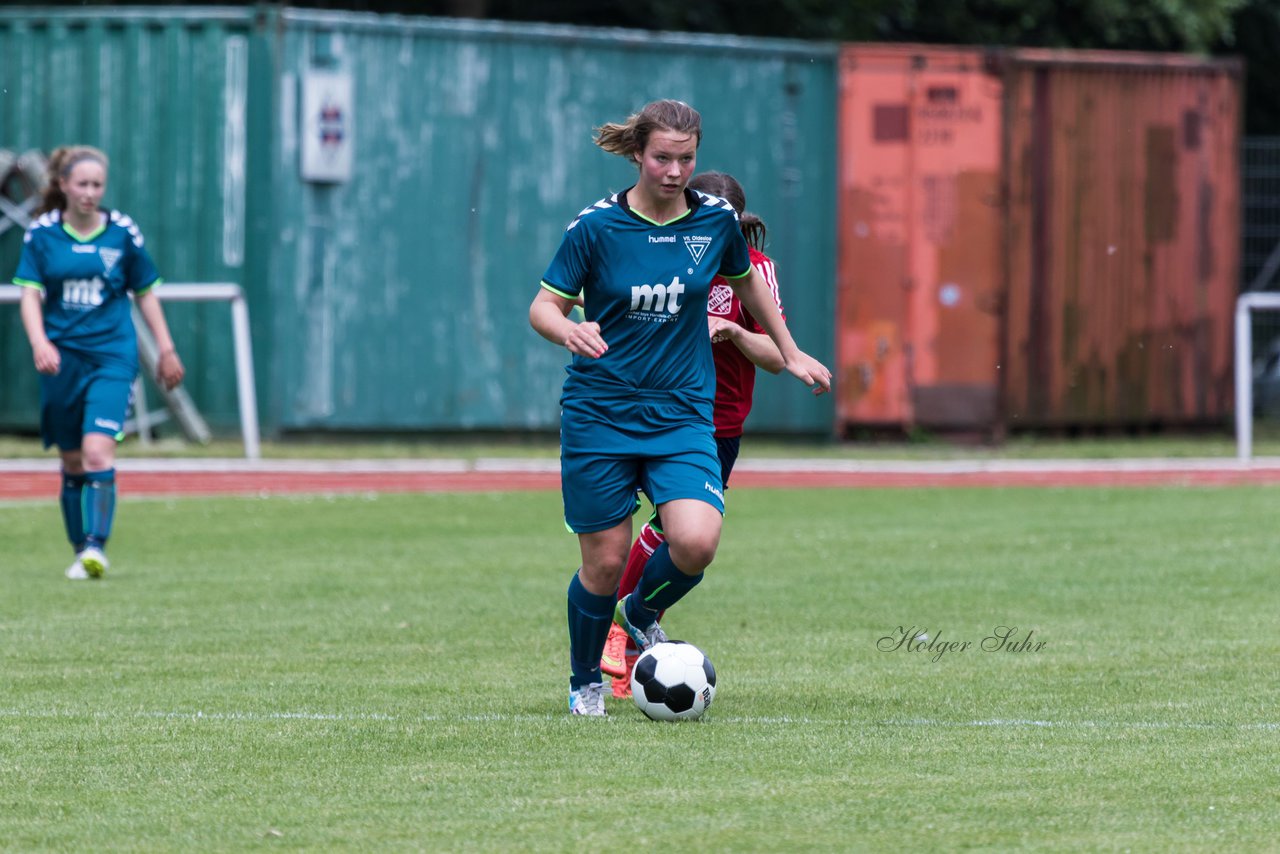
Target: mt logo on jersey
<point>657,302</point>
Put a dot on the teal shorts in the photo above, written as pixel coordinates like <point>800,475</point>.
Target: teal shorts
<point>664,448</point>
<point>83,397</point>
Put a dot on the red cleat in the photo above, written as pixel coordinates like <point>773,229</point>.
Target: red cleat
<point>621,685</point>
<point>613,661</point>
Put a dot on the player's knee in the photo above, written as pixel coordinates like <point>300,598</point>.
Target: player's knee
<point>602,575</point>
<point>72,462</point>
<point>694,554</point>
<point>97,461</point>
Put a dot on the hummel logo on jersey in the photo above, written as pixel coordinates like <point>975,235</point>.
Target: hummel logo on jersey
<point>697,246</point>
<point>653,238</point>
<point>658,299</point>
<point>109,258</point>
<point>82,293</point>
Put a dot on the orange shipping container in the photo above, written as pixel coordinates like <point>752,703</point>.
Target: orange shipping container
<point>1035,238</point>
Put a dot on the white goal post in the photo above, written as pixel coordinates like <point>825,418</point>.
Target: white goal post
<point>1246,304</point>
<point>241,340</point>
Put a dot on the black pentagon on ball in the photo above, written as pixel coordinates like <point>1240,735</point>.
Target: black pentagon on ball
<point>646,669</point>
<point>709,670</point>
<point>677,698</point>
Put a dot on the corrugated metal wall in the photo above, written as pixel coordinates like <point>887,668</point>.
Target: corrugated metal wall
<point>1036,239</point>
<point>1123,245</point>
<point>397,300</point>
<point>920,286</point>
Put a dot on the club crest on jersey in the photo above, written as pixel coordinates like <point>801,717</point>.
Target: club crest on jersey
<point>109,258</point>
<point>697,247</point>
<point>720,302</point>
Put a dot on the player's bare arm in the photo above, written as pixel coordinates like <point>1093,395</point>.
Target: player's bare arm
<point>549,316</point>
<point>169,368</point>
<point>43,352</point>
<point>757,347</point>
<point>754,293</point>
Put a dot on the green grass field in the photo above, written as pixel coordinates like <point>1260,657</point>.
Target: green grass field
<point>389,673</point>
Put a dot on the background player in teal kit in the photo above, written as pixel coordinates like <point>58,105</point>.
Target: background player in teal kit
<point>78,265</point>
<point>636,408</point>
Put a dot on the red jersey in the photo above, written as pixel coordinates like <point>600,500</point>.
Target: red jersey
<point>735,373</point>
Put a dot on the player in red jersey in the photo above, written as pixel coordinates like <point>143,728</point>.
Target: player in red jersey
<point>739,346</point>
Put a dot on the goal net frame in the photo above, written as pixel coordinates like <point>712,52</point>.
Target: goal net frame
<point>227,292</point>
<point>1246,305</point>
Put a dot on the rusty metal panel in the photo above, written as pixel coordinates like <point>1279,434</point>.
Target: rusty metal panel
<point>1034,239</point>
<point>920,227</point>
<point>1123,231</point>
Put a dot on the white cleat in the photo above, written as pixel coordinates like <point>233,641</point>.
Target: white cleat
<point>642,638</point>
<point>76,571</point>
<point>94,561</point>
<point>588,700</point>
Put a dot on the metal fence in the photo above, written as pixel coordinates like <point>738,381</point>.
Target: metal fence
<point>1260,220</point>
<point>1260,271</point>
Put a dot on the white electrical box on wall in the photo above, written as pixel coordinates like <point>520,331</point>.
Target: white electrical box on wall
<point>328,125</point>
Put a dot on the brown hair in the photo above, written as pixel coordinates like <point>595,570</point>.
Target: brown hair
<point>61,162</point>
<point>727,187</point>
<point>631,137</point>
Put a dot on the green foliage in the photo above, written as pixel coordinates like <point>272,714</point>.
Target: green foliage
<point>1167,25</point>
<point>1254,36</point>
<point>388,673</point>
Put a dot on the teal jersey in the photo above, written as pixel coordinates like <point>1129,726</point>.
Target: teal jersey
<point>647,286</point>
<point>86,283</point>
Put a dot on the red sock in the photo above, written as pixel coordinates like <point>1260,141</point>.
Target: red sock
<point>641,551</point>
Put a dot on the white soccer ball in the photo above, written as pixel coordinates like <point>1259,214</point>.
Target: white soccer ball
<point>673,681</point>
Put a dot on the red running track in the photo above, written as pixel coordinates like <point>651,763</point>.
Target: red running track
<point>27,484</point>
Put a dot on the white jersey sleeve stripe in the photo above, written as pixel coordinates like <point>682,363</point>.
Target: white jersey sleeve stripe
<point>602,205</point>
<point>770,273</point>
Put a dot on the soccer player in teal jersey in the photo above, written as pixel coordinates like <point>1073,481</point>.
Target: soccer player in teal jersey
<point>739,346</point>
<point>636,408</point>
<point>78,265</point>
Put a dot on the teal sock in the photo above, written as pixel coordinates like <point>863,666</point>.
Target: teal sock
<point>661,586</point>
<point>589,619</point>
<point>98,506</point>
<point>72,512</point>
